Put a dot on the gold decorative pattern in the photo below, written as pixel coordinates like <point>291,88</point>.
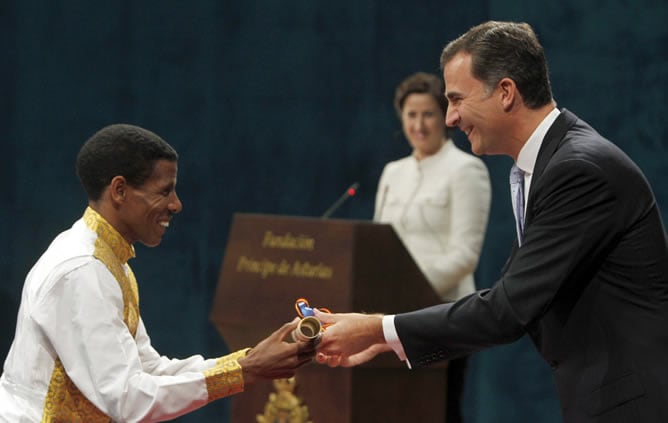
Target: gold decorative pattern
<point>114,251</point>
<point>96,223</point>
<point>64,402</point>
<point>226,377</point>
<point>233,356</point>
<point>283,406</point>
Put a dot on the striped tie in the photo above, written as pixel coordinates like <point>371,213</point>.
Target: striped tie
<point>517,192</point>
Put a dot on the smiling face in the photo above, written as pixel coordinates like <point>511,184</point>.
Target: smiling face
<point>146,210</point>
<point>472,107</point>
<point>422,122</point>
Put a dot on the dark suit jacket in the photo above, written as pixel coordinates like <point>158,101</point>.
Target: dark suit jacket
<point>589,285</point>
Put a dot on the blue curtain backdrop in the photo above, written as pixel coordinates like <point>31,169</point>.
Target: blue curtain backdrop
<point>276,107</point>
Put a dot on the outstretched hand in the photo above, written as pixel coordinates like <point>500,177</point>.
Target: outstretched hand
<point>275,358</point>
<point>350,339</point>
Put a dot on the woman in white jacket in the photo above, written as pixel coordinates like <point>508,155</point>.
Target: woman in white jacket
<point>437,199</point>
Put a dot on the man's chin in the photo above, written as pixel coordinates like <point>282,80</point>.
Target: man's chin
<point>151,243</point>
<point>475,149</point>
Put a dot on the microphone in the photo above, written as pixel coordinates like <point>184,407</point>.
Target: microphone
<point>351,191</point>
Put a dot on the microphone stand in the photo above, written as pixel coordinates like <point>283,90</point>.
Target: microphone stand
<point>349,193</point>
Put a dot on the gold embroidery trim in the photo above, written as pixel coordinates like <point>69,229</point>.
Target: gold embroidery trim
<point>114,251</point>
<point>120,247</point>
<point>64,402</point>
<point>226,377</point>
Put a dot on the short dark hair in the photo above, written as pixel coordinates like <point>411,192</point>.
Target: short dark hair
<point>422,83</point>
<point>505,50</point>
<point>120,150</point>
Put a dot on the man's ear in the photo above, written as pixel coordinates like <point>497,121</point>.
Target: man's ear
<point>509,93</point>
<point>118,189</point>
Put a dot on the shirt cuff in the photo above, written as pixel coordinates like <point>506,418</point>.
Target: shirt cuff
<point>226,377</point>
<point>392,338</point>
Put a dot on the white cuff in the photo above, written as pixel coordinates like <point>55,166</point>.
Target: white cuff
<point>392,338</point>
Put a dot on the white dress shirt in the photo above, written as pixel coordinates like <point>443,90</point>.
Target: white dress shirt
<point>72,311</point>
<point>526,159</point>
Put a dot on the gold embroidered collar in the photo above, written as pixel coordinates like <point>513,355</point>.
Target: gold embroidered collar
<point>109,235</point>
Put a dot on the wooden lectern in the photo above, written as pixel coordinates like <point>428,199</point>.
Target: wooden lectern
<point>345,266</point>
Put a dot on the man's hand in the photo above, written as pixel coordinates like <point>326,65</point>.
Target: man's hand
<point>350,339</point>
<point>275,358</point>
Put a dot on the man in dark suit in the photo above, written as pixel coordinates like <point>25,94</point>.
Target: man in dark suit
<point>588,276</point>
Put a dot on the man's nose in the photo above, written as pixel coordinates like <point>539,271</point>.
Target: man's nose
<point>451,117</point>
<point>175,206</point>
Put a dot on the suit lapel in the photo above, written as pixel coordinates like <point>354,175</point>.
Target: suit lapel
<point>550,143</point>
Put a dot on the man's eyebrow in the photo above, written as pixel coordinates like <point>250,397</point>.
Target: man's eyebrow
<point>452,94</point>
<point>166,186</point>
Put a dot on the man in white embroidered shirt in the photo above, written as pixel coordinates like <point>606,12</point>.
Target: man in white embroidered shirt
<point>81,351</point>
